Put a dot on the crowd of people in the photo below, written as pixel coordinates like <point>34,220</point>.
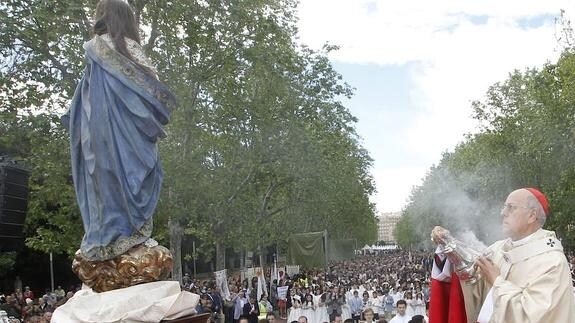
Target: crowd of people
<point>23,306</point>
<point>382,286</point>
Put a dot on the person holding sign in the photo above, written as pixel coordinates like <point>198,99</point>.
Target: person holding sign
<point>282,292</point>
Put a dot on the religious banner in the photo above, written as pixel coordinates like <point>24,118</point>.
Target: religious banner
<point>307,249</point>
<point>222,283</point>
<point>250,273</point>
<point>292,270</point>
<point>249,259</point>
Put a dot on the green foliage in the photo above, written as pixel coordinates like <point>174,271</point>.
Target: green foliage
<point>7,262</point>
<point>260,146</point>
<point>405,234</point>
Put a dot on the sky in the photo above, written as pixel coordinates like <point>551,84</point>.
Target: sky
<point>417,65</point>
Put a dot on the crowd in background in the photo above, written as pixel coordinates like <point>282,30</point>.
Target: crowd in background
<point>374,287</point>
<point>22,305</point>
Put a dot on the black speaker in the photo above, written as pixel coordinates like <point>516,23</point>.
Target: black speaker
<point>13,201</point>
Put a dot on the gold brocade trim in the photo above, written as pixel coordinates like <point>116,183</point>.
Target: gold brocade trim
<point>110,57</point>
<point>135,50</point>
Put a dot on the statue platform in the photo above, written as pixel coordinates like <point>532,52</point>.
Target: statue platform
<point>161,301</point>
<point>143,263</point>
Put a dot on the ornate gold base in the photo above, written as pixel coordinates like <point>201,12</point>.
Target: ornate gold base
<point>141,264</point>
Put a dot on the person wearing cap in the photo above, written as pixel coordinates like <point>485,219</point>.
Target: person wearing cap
<point>526,278</point>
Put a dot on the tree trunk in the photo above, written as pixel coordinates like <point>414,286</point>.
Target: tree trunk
<point>220,256</point>
<point>176,233</point>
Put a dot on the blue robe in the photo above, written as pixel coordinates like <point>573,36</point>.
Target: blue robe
<point>115,120</point>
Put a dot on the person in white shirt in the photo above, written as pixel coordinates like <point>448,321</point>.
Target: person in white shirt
<point>401,316</point>
<point>366,301</point>
<point>398,295</point>
<point>419,305</point>
<point>410,310</point>
<point>378,304</point>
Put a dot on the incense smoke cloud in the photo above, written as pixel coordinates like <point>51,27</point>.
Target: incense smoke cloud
<point>467,204</point>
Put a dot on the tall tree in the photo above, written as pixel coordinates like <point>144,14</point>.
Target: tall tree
<point>260,146</point>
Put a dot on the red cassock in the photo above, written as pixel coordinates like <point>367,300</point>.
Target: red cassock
<point>447,304</point>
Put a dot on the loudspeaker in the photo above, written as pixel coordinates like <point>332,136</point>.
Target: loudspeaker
<point>13,201</point>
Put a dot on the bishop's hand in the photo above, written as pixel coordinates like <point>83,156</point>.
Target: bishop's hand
<point>489,270</point>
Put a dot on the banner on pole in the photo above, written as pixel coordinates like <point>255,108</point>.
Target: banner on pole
<point>292,270</point>
<point>250,273</point>
<point>222,283</point>
<point>249,259</point>
<point>307,249</point>
<point>261,282</point>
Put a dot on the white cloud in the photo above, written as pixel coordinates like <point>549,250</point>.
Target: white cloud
<point>460,69</point>
<point>456,60</point>
<point>394,186</point>
<point>402,31</point>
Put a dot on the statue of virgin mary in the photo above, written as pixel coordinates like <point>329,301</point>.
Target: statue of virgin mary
<point>115,120</point>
